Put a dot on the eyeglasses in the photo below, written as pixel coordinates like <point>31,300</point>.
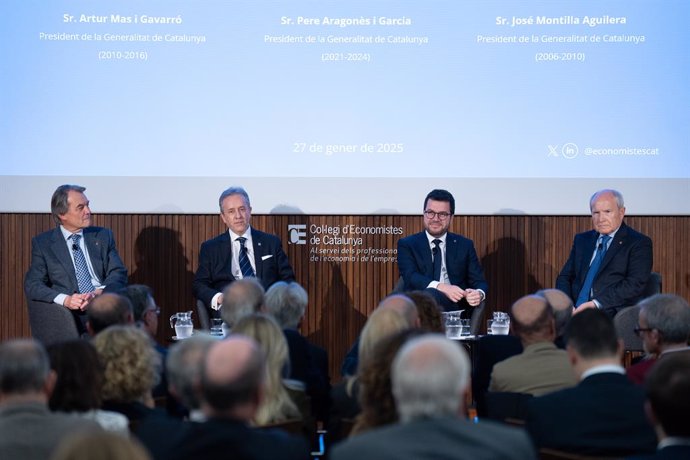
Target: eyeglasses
<point>433,214</point>
<point>157,311</point>
<point>639,330</point>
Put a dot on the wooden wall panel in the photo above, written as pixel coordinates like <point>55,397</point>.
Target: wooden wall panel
<point>520,254</point>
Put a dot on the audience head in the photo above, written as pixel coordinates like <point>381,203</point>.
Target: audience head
<point>183,366</point>
<point>100,445</point>
<point>107,310</point>
<point>24,370</point>
<point>59,203</point>
<point>235,209</point>
<point>562,307</point>
<point>430,318</point>
<point>608,210</point>
<point>286,302</point>
<point>144,308</point>
<point>403,305</point>
<point>376,395</point>
<point>532,320</point>
<point>241,298</point>
<point>430,378</point>
<point>591,340</point>
<point>664,322</point>
<point>232,378</point>
<point>79,376</point>
<point>668,394</point>
<point>439,207</point>
<point>382,323</point>
<point>277,404</point>
<point>132,365</point>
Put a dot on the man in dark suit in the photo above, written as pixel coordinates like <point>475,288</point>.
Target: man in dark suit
<point>668,405</point>
<point>75,262</point>
<point>232,390</point>
<point>608,266</point>
<point>442,263</point>
<point>430,382</point>
<point>604,413</point>
<point>240,252</point>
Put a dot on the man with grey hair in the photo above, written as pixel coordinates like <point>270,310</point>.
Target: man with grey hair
<point>608,266</point>
<point>430,379</point>
<point>287,302</point>
<point>241,252</point>
<point>562,308</point>
<point>242,298</point>
<point>28,430</point>
<point>664,327</point>
<point>75,262</point>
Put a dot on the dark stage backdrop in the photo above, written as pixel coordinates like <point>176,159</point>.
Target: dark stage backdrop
<point>346,263</point>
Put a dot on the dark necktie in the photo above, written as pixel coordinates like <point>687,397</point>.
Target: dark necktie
<point>436,251</point>
<point>80,267</point>
<point>593,270</point>
<point>245,265</point>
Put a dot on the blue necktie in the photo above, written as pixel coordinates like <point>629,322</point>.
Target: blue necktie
<point>436,251</point>
<point>593,270</point>
<point>245,265</point>
<point>80,267</point>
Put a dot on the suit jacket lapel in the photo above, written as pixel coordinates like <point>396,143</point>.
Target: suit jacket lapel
<point>59,248</point>
<point>226,249</point>
<point>590,245</point>
<point>93,246</point>
<point>425,255</point>
<point>257,245</point>
<point>615,246</point>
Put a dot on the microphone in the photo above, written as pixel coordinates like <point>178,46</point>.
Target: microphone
<point>75,247</point>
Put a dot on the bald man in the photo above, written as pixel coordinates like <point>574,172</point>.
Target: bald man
<point>232,379</point>
<point>541,367</point>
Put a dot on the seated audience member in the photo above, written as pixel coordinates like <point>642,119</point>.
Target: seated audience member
<point>145,314</point>
<point>376,394</point>
<point>286,303</point>
<point>430,379</point>
<point>668,406</point>
<point>183,366</point>
<point>382,323</point>
<point>430,319</point>
<point>604,413</point>
<point>28,430</point>
<point>107,310</point>
<point>664,327</point>
<point>100,446</point>
<point>562,308</point>
<point>132,369</point>
<point>242,298</point>
<point>232,382</point>
<point>278,404</point>
<point>398,302</point>
<point>79,383</point>
<point>541,367</point>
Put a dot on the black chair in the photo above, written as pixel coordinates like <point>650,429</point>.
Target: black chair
<point>503,406</point>
<point>490,349</point>
<point>51,323</point>
<point>202,312</point>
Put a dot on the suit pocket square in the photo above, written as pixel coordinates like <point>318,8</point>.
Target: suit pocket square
<point>266,257</point>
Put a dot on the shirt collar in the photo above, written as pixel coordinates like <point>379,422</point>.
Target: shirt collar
<point>432,238</point>
<point>603,369</point>
<point>247,234</point>
<point>66,234</point>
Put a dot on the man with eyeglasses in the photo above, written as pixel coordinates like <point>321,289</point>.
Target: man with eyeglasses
<point>443,264</point>
<point>664,327</point>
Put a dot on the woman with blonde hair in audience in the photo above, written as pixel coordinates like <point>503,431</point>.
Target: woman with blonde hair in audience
<point>277,406</point>
<point>132,369</point>
<point>382,323</point>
